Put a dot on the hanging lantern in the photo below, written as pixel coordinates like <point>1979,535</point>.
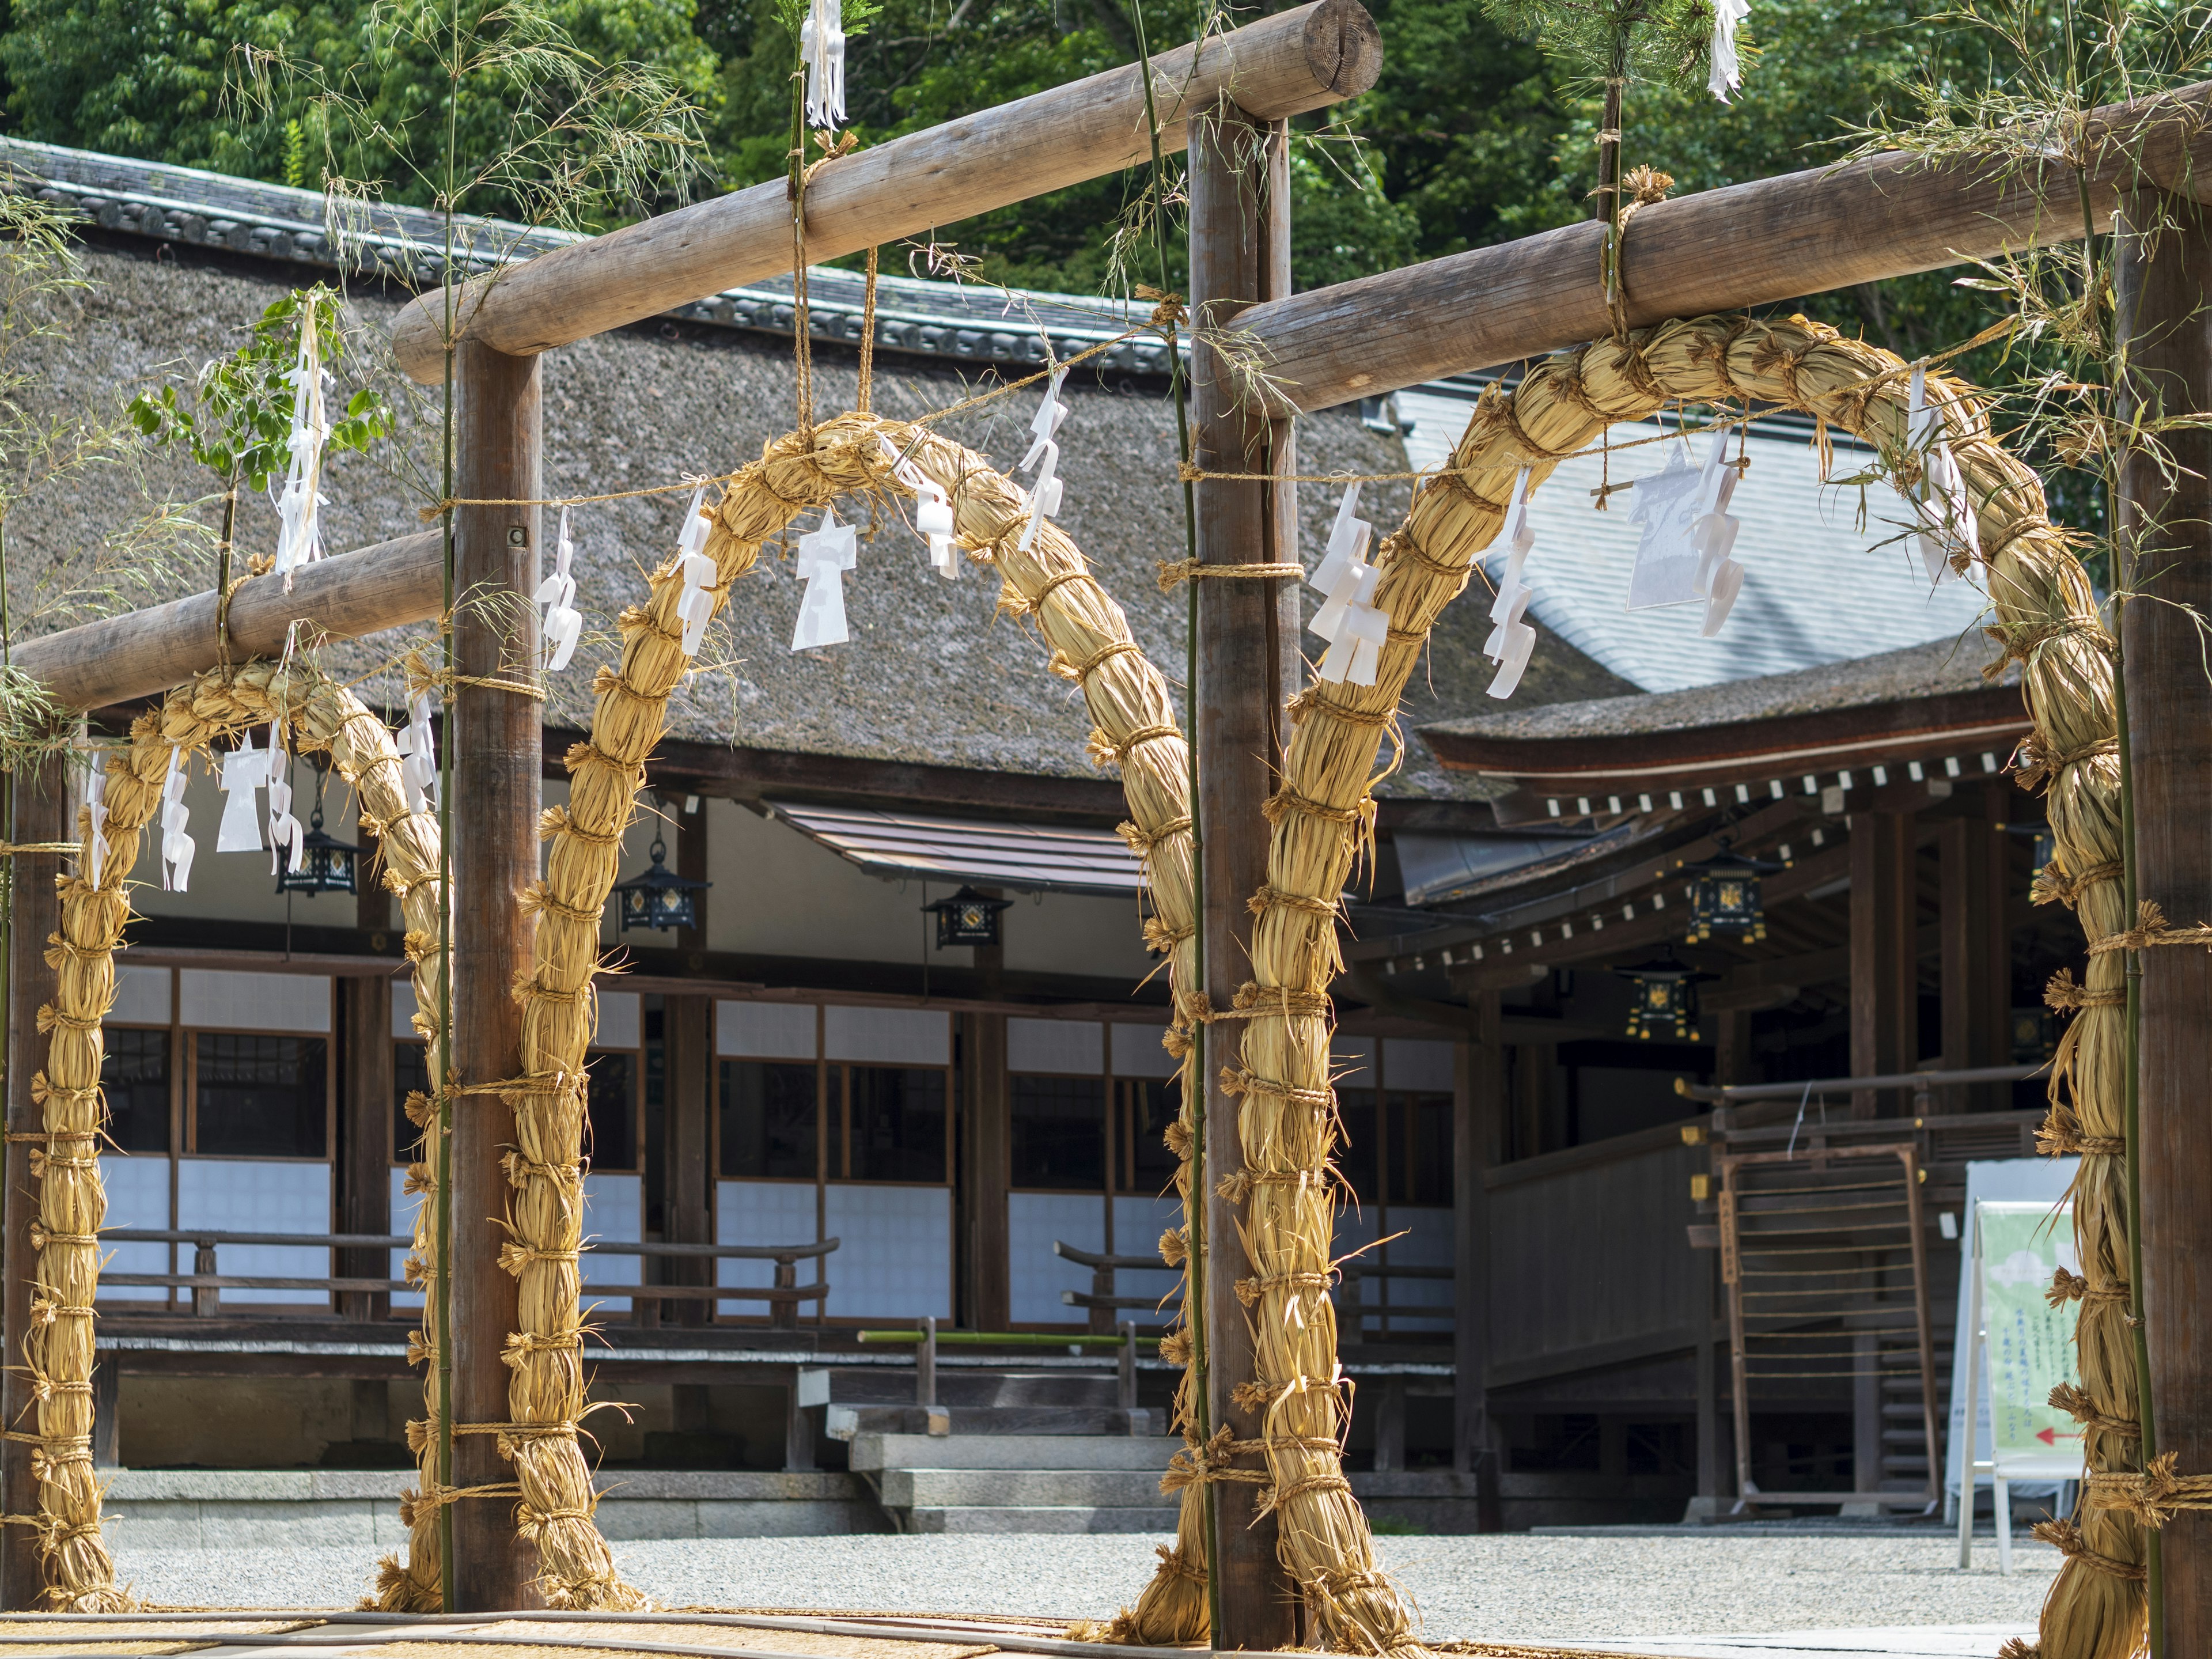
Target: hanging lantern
<point>1663,1000</point>
<point>968,918</point>
<point>326,863</point>
<point>659,899</point>
<point>1724,895</point>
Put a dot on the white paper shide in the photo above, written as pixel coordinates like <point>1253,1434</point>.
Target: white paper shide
<point>822,48</point>
<point>300,536</point>
<point>1726,75</point>
<point>1511,640</point>
<point>418,770</point>
<point>1943,506</point>
<point>560,622</point>
<point>95,808</point>
<point>177,847</point>
<point>285,832</point>
<point>933,518</point>
<point>695,605</point>
<point>1349,619</point>
<point>1683,555</point>
<point>825,553</point>
<point>1044,455</point>
<point>245,771</point>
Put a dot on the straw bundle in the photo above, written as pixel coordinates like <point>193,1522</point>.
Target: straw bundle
<point>58,1349</point>
<point>1129,704</point>
<point>2046,617</point>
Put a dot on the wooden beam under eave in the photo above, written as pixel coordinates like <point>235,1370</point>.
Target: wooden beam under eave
<point>1719,250</point>
<point>1296,61</point>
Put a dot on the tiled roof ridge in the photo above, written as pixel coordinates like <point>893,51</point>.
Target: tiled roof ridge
<point>967,322</point>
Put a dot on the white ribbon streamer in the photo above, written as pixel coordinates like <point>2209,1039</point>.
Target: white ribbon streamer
<point>1512,641</point>
<point>1941,502</point>
<point>95,806</point>
<point>299,537</point>
<point>696,606</point>
<point>824,554</point>
<point>417,750</point>
<point>1727,76</point>
<point>561,624</point>
<point>1348,619</point>
<point>177,847</point>
<point>822,48</point>
<point>284,829</point>
<point>1720,578</point>
<point>245,771</point>
<point>933,511</point>
<point>1045,491</point>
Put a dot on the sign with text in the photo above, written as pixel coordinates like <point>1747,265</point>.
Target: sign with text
<point>2030,1344</point>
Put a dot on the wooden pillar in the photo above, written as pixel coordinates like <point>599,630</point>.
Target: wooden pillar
<point>365,1137</point>
<point>1239,255</point>
<point>691,865</point>
<point>1731,1033</point>
<point>987,1279</point>
<point>2165,522</point>
<point>1975,951</point>
<point>1885,997</point>
<point>1534,1064</point>
<point>39,803</point>
<point>496,760</point>
<point>1478,1122</point>
<point>687,1030</point>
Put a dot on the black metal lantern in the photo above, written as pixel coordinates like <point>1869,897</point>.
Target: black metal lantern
<point>659,899</point>
<point>1724,895</point>
<point>1663,994</point>
<point>968,918</point>
<point>326,863</point>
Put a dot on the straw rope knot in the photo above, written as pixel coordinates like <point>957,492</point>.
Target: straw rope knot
<point>2073,1287</point>
<point>2039,764</point>
<point>2056,1138</point>
<point>2062,993</point>
<point>2053,885</point>
<point>1273,1496</point>
<point>1141,841</point>
<point>1069,668</point>
<point>1212,1462</point>
<point>2153,1497</point>
<point>2077,1405</point>
<point>2022,641</point>
<point>1173,573</point>
<point>1104,748</point>
<point>1249,1290</point>
<point>1274,898</point>
<point>1235,1081</point>
<point>2151,930</point>
<point>2067,1538</point>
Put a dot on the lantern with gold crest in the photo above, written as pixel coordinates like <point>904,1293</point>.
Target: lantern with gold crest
<point>1724,895</point>
<point>1663,999</point>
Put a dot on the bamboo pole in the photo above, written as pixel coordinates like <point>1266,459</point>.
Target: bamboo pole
<point>1298,60</point>
<point>1755,244</point>
<point>1239,239</point>
<point>496,765</point>
<point>2163,518</point>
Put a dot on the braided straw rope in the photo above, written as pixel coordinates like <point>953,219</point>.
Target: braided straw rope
<point>2046,617</point>
<point>80,1572</point>
<point>1129,704</point>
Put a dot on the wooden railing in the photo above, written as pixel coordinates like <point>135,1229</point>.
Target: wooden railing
<point>1352,1308</point>
<point>207,1285</point>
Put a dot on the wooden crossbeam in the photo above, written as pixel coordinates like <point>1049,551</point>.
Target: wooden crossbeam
<point>1720,250</point>
<point>1298,60</point>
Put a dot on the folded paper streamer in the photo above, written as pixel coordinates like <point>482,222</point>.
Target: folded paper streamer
<point>284,831</point>
<point>418,755</point>
<point>822,47</point>
<point>561,623</point>
<point>299,537</point>
<point>932,512</point>
<point>695,605</point>
<point>1720,578</point>
<point>95,806</point>
<point>824,554</point>
<point>1348,619</point>
<point>177,847</point>
<point>1044,492</point>
<point>1941,501</point>
<point>1512,641</point>
<point>245,770</point>
<point>1727,75</point>
<point>1666,505</point>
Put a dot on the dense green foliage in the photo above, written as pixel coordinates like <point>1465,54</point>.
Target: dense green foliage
<point>1472,135</point>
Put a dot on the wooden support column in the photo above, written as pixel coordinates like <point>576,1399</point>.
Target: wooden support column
<point>1477,1125</point>
<point>365,1137</point>
<point>687,1030</point>
<point>1975,950</point>
<point>986,1138</point>
<point>2165,522</point>
<point>1239,254</point>
<point>691,865</point>
<point>1884,999</point>
<point>40,797</point>
<point>497,755</point>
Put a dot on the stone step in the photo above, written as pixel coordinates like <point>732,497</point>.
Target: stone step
<point>1057,1518</point>
<point>1151,1452</point>
<point>917,1489</point>
<point>892,1385</point>
<point>848,1422</point>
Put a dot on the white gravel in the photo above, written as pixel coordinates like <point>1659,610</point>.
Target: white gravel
<point>1502,1588</point>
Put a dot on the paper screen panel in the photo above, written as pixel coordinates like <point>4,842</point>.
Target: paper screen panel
<point>1068,1046</point>
<point>614,1213</point>
<point>888,1037</point>
<point>896,1258</point>
<point>403,1206</point>
<point>250,1195</point>
<point>621,1021</point>
<point>1137,1052</point>
<point>222,999</point>
<point>764,1030</point>
<point>1138,1224</point>
<point>766,1213</point>
<point>137,1185</point>
<point>142,997</point>
<point>1036,1275</point>
<point>1428,1243</point>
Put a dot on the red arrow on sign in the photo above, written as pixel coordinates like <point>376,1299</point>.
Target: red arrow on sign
<point>2048,1437</point>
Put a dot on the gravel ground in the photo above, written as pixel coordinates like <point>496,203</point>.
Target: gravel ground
<point>1501,1587</point>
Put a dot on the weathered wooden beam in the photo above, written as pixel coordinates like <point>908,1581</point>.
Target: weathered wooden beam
<point>1239,253</point>
<point>144,653</point>
<point>1719,250</point>
<point>1298,60</point>
<point>495,756</point>
<point>2164,523</point>
<point>1885,974</point>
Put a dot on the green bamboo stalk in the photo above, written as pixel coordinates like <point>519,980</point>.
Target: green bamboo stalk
<point>443,1115</point>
